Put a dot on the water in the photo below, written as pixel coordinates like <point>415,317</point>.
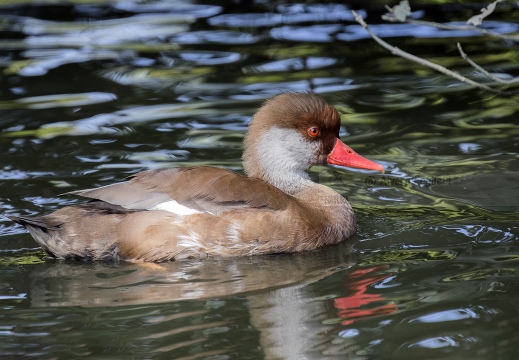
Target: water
<point>92,91</point>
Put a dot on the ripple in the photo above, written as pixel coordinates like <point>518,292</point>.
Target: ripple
<point>246,20</point>
<point>157,78</point>
<point>59,100</point>
<point>98,158</point>
<point>223,37</point>
<point>204,139</point>
<point>392,100</point>
<point>116,27</point>
<point>316,33</point>
<point>159,155</point>
<point>16,174</point>
<point>438,342</point>
<point>293,64</point>
<point>200,57</point>
<point>104,34</point>
<point>318,12</point>
<point>290,14</point>
<point>259,90</point>
<point>105,123</point>
<point>41,61</point>
<point>195,10</point>
<point>447,315</point>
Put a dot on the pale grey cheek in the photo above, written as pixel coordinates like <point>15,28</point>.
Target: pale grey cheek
<point>303,151</point>
<point>314,154</point>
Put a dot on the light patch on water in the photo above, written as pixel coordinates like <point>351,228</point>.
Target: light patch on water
<point>468,148</point>
<point>448,315</point>
<point>436,343</point>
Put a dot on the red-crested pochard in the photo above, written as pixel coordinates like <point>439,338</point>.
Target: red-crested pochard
<point>175,213</point>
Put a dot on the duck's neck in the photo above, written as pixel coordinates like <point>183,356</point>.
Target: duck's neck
<point>278,158</point>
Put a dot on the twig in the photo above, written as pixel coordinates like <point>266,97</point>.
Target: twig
<point>402,11</point>
<point>464,27</point>
<point>486,73</point>
<point>411,57</point>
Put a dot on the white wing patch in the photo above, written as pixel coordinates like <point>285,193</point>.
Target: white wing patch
<point>175,208</point>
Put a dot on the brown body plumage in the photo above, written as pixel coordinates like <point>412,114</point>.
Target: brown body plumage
<point>168,214</point>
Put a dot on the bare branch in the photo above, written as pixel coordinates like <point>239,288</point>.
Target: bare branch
<point>487,74</point>
<point>465,27</point>
<point>405,55</point>
<point>400,13</point>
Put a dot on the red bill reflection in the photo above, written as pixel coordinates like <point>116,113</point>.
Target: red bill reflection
<point>360,304</point>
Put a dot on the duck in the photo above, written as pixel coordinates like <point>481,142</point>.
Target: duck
<point>179,213</point>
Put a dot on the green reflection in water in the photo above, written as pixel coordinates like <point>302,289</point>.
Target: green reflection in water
<point>28,257</point>
<point>42,133</point>
<point>481,274</point>
<point>385,257</point>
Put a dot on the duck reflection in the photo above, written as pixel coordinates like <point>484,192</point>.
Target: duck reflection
<point>112,284</point>
<point>279,304</point>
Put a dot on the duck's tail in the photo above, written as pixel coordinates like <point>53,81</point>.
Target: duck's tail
<point>76,232</point>
<point>40,229</point>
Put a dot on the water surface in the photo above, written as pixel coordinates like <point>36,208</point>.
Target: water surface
<point>93,91</point>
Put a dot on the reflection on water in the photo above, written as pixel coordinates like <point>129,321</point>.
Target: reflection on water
<point>74,284</point>
<point>359,303</point>
<point>223,293</point>
<point>94,91</point>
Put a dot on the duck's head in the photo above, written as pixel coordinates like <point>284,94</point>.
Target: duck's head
<point>292,132</point>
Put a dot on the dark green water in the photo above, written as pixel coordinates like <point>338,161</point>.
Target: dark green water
<point>92,91</point>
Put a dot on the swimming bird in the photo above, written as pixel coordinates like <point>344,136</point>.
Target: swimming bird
<point>195,212</point>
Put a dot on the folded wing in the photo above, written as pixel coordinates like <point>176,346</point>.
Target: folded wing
<point>197,189</point>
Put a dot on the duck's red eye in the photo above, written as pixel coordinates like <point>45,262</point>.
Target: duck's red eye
<point>313,131</point>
